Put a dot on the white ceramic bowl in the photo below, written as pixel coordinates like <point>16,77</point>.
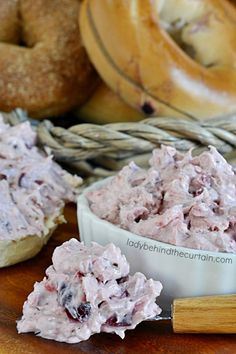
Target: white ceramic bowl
<point>184,272</point>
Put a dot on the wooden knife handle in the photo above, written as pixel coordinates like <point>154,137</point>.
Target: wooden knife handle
<point>208,314</point>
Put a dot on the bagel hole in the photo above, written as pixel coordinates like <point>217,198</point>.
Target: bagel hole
<point>188,49</point>
<point>175,31</point>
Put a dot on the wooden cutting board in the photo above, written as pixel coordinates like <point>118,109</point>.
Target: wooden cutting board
<point>16,282</point>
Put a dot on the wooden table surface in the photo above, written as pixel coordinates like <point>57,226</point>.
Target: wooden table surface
<point>16,282</point>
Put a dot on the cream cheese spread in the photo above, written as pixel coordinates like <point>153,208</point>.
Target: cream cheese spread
<point>32,186</point>
<point>183,200</point>
<point>88,290</point>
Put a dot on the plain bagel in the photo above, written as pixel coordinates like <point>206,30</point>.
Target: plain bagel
<point>44,67</point>
<point>170,57</point>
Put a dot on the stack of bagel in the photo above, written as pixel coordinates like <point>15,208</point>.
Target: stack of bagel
<point>118,60</point>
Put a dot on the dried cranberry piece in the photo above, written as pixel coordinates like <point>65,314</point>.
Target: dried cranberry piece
<point>39,182</point>
<point>125,294</point>
<point>49,287</point>
<point>189,225</point>
<point>138,218</point>
<point>112,321</point>
<point>213,228</point>
<point>69,315</point>
<point>81,313</point>
<point>80,274</point>
<point>101,303</point>
<point>122,279</point>
<point>22,175</point>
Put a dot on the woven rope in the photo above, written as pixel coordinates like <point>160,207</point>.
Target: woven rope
<point>100,150</point>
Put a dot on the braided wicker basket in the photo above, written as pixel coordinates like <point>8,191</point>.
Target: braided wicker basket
<point>96,151</point>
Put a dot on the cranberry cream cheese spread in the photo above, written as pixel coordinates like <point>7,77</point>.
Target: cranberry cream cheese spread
<point>33,192</point>
<point>88,290</point>
<point>181,200</point>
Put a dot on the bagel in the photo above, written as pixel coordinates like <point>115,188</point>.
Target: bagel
<point>105,106</point>
<point>33,193</point>
<point>165,57</point>
<point>15,251</point>
<point>44,67</point>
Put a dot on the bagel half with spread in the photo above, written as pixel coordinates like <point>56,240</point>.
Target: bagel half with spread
<point>164,57</point>
<point>33,192</point>
<point>44,66</point>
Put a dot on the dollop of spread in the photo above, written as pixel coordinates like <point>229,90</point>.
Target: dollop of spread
<point>88,290</point>
<point>183,200</point>
<point>33,187</point>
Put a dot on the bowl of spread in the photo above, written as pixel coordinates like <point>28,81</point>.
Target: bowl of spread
<point>175,222</point>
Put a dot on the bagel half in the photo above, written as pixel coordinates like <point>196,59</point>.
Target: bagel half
<point>15,251</point>
<point>33,192</point>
